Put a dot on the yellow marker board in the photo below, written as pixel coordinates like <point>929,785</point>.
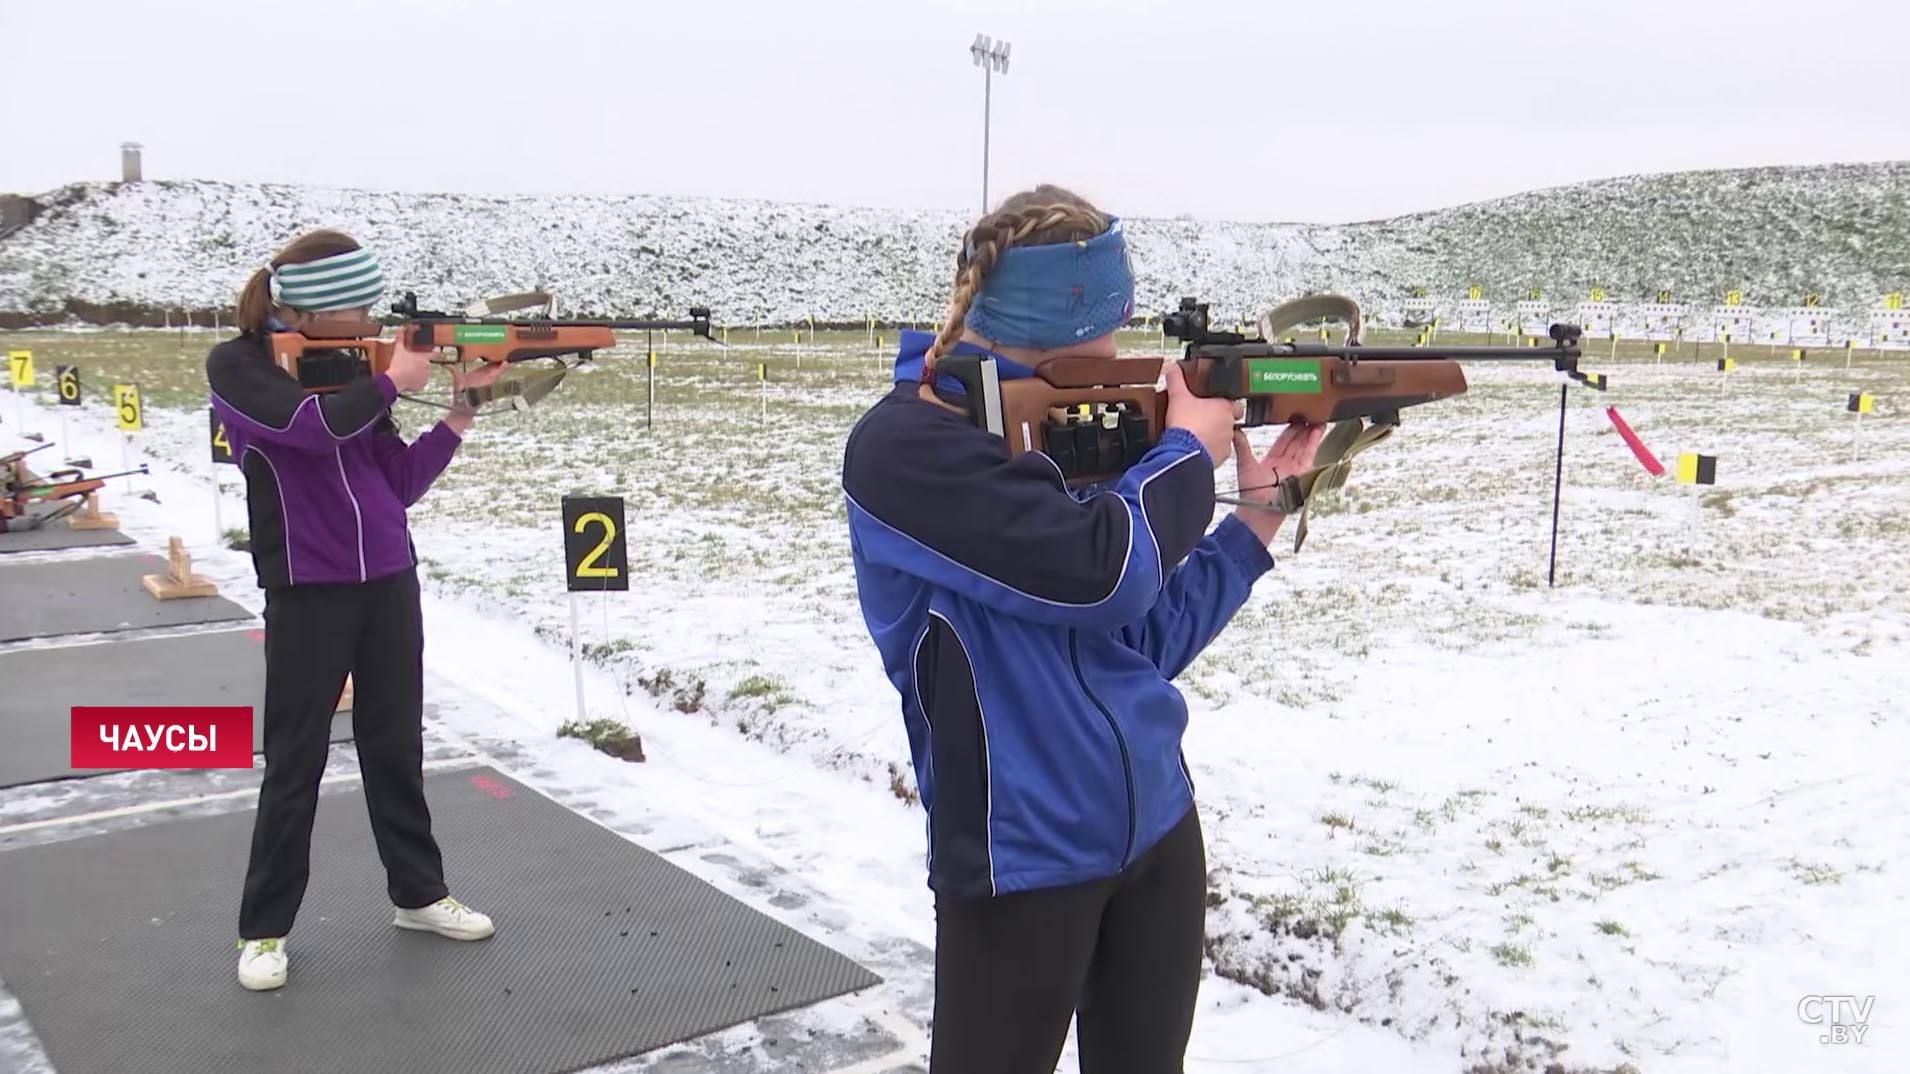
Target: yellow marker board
<point>1861,403</point>
<point>1697,469</point>
<point>20,368</point>
<point>127,409</point>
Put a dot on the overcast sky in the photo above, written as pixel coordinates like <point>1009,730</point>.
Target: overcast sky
<point>1332,110</point>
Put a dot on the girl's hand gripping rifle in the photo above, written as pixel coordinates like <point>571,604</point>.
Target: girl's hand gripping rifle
<point>1095,417</point>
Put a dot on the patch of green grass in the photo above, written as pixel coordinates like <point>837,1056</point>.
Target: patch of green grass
<point>1815,873</point>
<point>1594,813</point>
<point>601,652</point>
<point>1511,954</point>
<point>1630,872</point>
<point>608,736</point>
<point>756,686</point>
<point>1611,928</point>
<point>1337,820</point>
<point>1394,918</point>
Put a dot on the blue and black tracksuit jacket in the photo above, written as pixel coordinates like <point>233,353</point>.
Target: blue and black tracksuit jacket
<point>1032,632</point>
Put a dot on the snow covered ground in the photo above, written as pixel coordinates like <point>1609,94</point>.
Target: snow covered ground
<point>1457,820</point>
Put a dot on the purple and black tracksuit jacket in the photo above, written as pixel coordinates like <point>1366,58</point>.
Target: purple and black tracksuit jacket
<point>327,476</point>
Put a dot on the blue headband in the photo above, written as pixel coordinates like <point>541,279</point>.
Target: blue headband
<point>1056,294</point>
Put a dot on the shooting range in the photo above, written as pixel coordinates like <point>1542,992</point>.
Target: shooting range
<point>1549,719</point>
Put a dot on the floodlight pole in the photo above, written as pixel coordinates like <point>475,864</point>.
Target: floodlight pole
<point>988,89</point>
<point>990,56</point>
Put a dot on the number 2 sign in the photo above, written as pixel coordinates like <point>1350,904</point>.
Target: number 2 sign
<point>595,555</point>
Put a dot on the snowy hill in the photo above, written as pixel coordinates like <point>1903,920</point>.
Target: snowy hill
<point>109,252</point>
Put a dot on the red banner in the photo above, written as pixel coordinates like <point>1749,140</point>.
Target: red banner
<point>153,737</point>
<point>1638,448</point>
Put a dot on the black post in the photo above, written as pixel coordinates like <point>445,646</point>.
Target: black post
<point>1558,479</point>
<point>650,367</point>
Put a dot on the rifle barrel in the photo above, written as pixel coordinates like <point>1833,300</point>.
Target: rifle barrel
<point>653,326</point>
<point>83,480</point>
<point>1430,354</point>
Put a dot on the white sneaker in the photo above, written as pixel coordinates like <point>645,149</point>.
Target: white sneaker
<point>448,918</point>
<point>262,964</point>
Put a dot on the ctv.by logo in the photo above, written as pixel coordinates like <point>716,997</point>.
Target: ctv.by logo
<point>1845,1018</point>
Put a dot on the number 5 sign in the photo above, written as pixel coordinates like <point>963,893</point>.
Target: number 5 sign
<point>126,404</point>
<point>595,555</point>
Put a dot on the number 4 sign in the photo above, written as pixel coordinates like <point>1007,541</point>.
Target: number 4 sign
<point>595,555</point>
<point>221,447</point>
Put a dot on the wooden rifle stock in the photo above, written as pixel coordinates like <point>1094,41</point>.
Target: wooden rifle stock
<point>1097,416</point>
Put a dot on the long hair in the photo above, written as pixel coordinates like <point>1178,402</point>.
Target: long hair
<point>1046,214</point>
<point>255,300</point>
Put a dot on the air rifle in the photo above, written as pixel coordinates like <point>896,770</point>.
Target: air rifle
<point>1095,417</point>
<point>25,488</point>
<point>333,351</point>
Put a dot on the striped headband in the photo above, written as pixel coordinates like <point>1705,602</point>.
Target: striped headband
<point>344,281</point>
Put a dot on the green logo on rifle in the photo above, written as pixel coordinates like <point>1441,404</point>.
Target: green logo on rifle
<point>1288,375</point>
<point>479,333</point>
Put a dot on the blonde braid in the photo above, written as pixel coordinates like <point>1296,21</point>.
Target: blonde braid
<point>1046,214</point>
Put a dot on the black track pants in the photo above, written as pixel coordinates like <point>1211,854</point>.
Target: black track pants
<point>1121,955</point>
<point>314,636</point>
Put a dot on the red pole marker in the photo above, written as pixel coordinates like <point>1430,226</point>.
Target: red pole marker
<point>1638,448</point>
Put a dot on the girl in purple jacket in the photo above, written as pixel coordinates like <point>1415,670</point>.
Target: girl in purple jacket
<point>328,480</point>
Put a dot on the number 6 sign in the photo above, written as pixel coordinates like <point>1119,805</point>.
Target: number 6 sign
<point>595,555</point>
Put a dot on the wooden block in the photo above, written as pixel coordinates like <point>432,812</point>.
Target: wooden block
<point>166,587</point>
<point>179,581</point>
<point>91,517</point>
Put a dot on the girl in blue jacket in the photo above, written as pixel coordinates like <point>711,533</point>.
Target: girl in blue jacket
<point>327,481</point>
<point>1033,633</point>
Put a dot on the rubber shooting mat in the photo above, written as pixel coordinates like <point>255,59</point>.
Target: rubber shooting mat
<point>43,685</point>
<point>99,594</point>
<point>121,948</point>
<point>59,535</point>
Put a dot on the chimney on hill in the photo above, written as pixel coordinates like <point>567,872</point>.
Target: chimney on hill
<point>16,211</point>
<point>129,170</point>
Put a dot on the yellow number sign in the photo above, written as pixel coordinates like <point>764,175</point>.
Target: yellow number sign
<point>131,415</point>
<point>587,567</point>
<point>20,365</point>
